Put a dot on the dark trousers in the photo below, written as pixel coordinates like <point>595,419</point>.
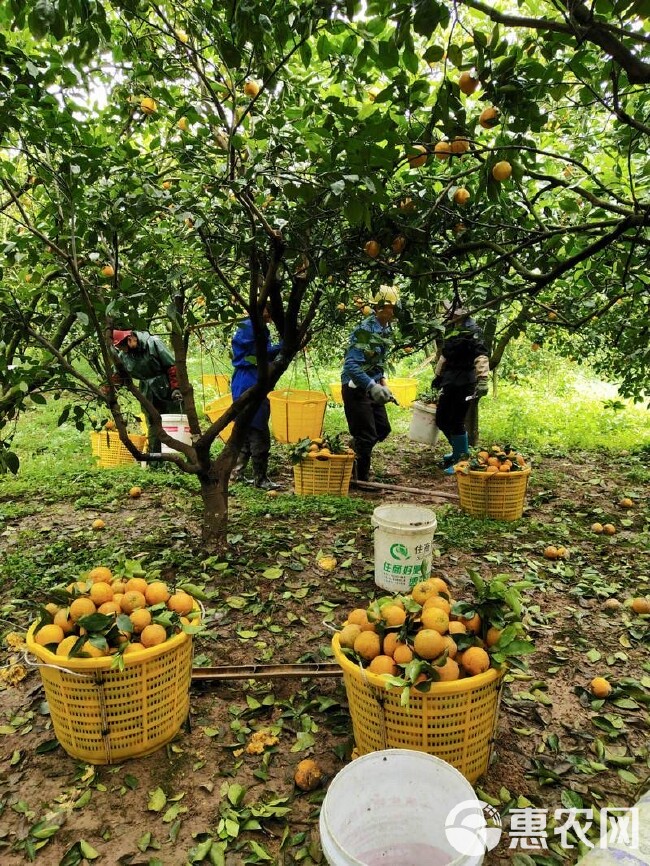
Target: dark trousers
<point>368,424</point>
<point>452,408</point>
<point>256,447</point>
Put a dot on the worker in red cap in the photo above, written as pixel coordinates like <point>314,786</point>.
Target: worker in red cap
<point>146,358</point>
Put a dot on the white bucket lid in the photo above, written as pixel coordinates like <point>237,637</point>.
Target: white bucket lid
<point>404,518</point>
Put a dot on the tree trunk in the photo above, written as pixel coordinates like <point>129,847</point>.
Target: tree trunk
<point>214,493</point>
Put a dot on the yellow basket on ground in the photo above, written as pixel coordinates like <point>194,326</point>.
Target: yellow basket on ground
<point>218,381</point>
<point>403,390</point>
<point>102,715</point>
<point>215,410</point>
<point>314,477</point>
<point>336,391</point>
<point>107,447</point>
<point>455,721</point>
<point>499,496</point>
<point>297,415</point>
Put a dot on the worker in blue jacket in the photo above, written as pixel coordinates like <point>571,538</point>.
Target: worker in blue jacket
<point>363,381</point>
<point>257,444</point>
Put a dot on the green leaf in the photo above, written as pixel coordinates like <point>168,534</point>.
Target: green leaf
<point>87,850</point>
<point>273,573</point>
<point>571,799</point>
<point>157,800</point>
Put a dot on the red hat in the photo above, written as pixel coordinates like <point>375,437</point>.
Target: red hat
<point>120,336</point>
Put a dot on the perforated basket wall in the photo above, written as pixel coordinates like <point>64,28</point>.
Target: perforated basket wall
<point>499,496</point>
<point>215,410</point>
<point>104,716</point>
<point>218,381</point>
<point>403,390</point>
<point>455,721</point>
<point>107,447</point>
<point>312,476</point>
<point>297,415</point>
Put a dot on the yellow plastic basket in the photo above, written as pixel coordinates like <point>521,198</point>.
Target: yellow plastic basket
<point>215,410</point>
<point>312,477</point>
<point>403,390</point>
<point>103,716</point>
<point>499,496</point>
<point>219,382</point>
<point>336,392</point>
<point>455,721</point>
<point>297,415</point>
<point>107,447</point>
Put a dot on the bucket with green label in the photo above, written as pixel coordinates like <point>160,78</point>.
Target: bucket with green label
<point>403,545</point>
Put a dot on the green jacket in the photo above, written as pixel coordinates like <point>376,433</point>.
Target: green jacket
<point>150,363</point>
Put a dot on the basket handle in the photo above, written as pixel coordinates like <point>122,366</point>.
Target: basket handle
<point>28,661</point>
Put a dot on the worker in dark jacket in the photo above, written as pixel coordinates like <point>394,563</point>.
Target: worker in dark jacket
<point>461,374</point>
<point>147,359</point>
<point>257,445</point>
<point>363,381</point>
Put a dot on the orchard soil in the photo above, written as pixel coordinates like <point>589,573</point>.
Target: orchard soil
<point>268,602</point>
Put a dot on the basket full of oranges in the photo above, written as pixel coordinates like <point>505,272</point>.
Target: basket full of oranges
<point>492,482</point>
<point>322,466</point>
<point>115,658</point>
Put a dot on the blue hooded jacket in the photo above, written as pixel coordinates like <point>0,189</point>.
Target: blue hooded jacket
<point>245,364</point>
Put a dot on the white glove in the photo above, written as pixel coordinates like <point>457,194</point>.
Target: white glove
<point>380,394</point>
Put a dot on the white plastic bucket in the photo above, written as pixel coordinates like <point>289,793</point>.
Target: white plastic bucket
<point>178,427</point>
<point>395,807</point>
<point>403,545</point>
<point>423,424</point>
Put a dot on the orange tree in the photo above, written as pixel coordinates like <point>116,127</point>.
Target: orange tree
<point>167,165</point>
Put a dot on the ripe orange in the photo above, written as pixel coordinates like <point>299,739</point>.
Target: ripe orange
<point>393,615</point>
<point>81,607</point>
<point>442,150</point>
<point>429,643</point>
<point>48,634</point>
<point>473,625</point>
<point>550,552</point>
<point>66,645</point>
<point>251,88</point>
<point>600,688</point>
<point>98,524</point>
<point>383,665</point>
<point>91,650</point>
<point>156,592</point>
<point>132,600</point>
<point>180,602</point>
<point>467,83</point>
<point>424,590</point>
<point>140,618</point>
<point>62,619</point>
<point>403,654</point>
<point>609,529</point>
<point>434,618</point>
<point>449,671</point>
<point>118,586</point>
<point>452,647</point>
<point>100,574</point>
<point>459,145</point>
<point>398,244</point>
<point>489,117</point>
<point>457,628</point>
<point>501,170</point>
<point>348,635</point>
<point>492,636</point>
<point>372,248</point>
<point>475,661</point>
<point>419,156</point>
<point>308,775</point>
<point>134,647</point>
<point>153,635</point>
<point>461,196</point>
<point>440,584</point>
<point>597,528</point>
<point>135,492</point>
<point>391,642</point>
<point>148,105</point>
<point>100,593</point>
<point>109,607</point>
<point>439,602</point>
<point>367,645</point>
<point>626,502</point>
<point>640,605</point>
<point>136,584</point>
<point>108,271</point>
<point>52,608</point>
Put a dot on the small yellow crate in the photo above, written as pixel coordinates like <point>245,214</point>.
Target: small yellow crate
<point>313,476</point>
<point>102,715</point>
<point>336,391</point>
<point>403,390</point>
<point>297,415</point>
<point>107,447</point>
<point>218,381</point>
<point>499,496</point>
<point>215,410</point>
<point>455,721</point>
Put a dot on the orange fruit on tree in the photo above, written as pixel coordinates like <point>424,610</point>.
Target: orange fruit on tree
<point>348,635</point>
<point>117,598</point>
<point>467,83</point>
<point>156,592</point>
<point>448,672</point>
<point>100,574</point>
<point>148,105</point>
<point>372,248</point>
<point>137,584</point>
<point>459,145</point>
<point>153,635</point>
<point>251,88</point>
<point>398,245</point>
<point>183,124</point>
<point>100,593</point>
<point>180,602</point>
<point>442,150</point>
<point>49,634</point>
<point>461,196</point>
<point>367,645</point>
<point>419,156</point>
<point>599,687</point>
<point>132,600</point>
<point>434,618</point>
<point>429,643</point>
<point>402,654</point>
<point>108,271</point>
<point>81,607</point>
<point>501,170</point>
<point>140,619</point>
<point>383,665</point>
<point>475,661</point>
<point>489,117</point>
